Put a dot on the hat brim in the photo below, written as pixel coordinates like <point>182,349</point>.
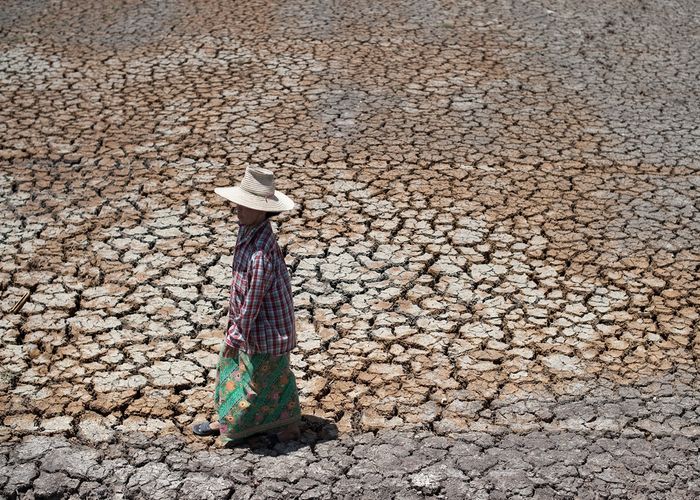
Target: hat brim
<point>277,203</point>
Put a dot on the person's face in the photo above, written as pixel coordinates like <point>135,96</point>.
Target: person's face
<point>249,216</point>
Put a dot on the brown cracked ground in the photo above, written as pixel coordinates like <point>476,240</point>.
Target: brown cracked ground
<point>494,257</point>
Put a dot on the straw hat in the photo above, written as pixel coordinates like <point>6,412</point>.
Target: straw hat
<point>257,191</point>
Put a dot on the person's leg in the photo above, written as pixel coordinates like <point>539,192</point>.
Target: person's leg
<point>240,407</point>
<point>288,409</point>
<point>289,433</point>
<point>206,428</point>
<point>227,355</point>
<point>263,398</point>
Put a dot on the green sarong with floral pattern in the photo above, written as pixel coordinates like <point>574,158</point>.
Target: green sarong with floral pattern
<point>254,393</point>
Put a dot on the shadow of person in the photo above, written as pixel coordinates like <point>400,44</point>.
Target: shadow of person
<point>313,430</point>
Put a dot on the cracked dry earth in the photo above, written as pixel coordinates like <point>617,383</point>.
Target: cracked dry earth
<point>494,257</point>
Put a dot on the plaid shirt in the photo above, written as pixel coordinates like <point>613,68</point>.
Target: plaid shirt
<point>261,309</point>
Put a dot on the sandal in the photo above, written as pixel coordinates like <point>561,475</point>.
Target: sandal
<point>288,433</point>
<point>205,429</point>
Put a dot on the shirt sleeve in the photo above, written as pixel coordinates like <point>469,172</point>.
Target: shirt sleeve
<point>259,273</point>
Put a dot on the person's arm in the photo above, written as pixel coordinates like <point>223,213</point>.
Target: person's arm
<point>259,275</point>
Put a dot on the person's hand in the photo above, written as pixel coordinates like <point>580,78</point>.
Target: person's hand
<point>230,352</point>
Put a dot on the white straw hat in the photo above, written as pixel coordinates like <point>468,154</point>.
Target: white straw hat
<point>257,191</point>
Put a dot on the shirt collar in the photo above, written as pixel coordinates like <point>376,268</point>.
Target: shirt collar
<point>246,232</point>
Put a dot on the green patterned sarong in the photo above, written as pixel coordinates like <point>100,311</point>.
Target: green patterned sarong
<point>254,393</point>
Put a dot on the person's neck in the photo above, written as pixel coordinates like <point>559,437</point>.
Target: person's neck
<point>252,225</point>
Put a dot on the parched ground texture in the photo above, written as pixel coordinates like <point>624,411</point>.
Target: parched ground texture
<point>495,254</point>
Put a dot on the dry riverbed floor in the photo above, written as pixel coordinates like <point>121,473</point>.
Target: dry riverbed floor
<point>495,255</point>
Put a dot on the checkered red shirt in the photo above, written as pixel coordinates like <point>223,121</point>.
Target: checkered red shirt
<point>261,309</point>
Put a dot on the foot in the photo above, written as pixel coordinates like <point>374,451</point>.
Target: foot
<point>206,429</point>
<point>289,433</point>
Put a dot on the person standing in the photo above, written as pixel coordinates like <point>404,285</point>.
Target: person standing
<point>255,389</point>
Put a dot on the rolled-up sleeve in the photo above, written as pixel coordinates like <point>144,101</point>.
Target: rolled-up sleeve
<point>259,279</point>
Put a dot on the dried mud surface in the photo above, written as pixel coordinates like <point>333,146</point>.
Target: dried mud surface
<point>495,256</point>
